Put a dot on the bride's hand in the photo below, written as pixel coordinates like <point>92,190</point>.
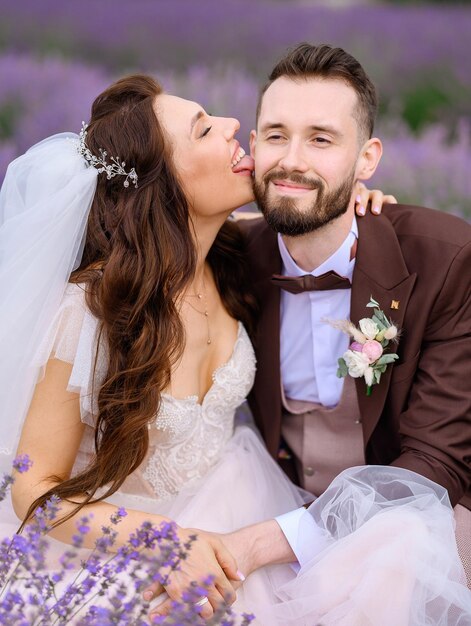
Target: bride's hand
<point>374,197</point>
<point>208,556</point>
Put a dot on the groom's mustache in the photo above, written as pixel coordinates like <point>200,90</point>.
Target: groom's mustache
<point>297,179</point>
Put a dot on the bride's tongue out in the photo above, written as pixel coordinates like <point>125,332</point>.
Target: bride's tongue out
<point>245,166</point>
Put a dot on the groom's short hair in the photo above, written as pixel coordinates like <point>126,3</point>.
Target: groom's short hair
<point>325,62</point>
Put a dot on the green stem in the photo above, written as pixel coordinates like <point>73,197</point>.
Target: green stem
<point>369,389</point>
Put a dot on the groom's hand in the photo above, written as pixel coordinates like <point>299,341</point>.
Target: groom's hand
<point>207,557</point>
<point>259,545</point>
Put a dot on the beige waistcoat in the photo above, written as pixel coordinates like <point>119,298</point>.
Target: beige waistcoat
<point>324,441</point>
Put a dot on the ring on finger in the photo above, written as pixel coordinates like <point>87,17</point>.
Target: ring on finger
<point>202,601</point>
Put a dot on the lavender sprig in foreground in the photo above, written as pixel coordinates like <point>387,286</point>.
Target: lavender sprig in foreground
<point>100,587</point>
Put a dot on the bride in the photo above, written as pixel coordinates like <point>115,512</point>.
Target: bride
<point>126,318</point>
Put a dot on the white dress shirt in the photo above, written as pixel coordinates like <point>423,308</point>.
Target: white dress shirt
<point>309,349</point>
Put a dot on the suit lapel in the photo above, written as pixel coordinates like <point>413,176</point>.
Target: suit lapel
<point>263,249</point>
<point>380,272</point>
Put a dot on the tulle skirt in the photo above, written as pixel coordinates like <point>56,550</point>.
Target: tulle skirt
<point>389,559</point>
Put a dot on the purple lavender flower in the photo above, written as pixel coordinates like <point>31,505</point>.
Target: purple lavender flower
<point>429,170</point>
<point>7,481</point>
<point>115,518</point>
<point>103,588</point>
<point>154,35</point>
<point>22,463</point>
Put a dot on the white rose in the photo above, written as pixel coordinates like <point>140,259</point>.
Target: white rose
<point>390,333</point>
<point>356,362</point>
<point>369,375</point>
<point>368,328</point>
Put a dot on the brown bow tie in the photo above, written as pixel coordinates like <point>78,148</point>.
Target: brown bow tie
<point>298,284</point>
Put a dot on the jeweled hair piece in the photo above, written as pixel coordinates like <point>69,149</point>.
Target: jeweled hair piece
<point>115,168</point>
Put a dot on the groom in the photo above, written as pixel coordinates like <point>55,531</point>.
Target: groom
<point>314,141</point>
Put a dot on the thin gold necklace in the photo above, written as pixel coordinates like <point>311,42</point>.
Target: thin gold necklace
<point>202,297</point>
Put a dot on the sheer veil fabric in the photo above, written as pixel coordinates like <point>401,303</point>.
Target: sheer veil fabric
<point>44,205</point>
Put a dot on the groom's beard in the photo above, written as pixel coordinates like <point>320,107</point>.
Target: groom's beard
<point>283,215</point>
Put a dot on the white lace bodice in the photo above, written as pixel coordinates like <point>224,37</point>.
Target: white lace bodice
<point>187,438</point>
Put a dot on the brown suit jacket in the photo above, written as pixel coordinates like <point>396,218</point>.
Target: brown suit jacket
<point>419,416</point>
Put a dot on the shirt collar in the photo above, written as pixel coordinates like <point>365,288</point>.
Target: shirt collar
<point>339,261</point>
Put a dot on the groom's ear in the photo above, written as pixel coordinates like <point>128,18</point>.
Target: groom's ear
<point>253,141</point>
<point>369,158</point>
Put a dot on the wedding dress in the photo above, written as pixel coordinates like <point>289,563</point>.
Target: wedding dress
<point>390,556</point>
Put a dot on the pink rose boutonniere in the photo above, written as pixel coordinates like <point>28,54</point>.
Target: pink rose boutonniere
<point>366,354</point>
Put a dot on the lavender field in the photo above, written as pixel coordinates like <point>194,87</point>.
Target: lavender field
<point>56,56</point>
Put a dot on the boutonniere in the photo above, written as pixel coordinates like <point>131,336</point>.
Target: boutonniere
<point>366,354</point>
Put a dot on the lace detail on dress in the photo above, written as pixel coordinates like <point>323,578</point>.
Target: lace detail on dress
<point>188,438</point>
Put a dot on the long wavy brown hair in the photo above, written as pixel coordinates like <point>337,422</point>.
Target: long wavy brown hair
<point>139,256</point>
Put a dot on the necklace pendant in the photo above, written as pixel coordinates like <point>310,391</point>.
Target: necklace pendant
<point>208,342</point>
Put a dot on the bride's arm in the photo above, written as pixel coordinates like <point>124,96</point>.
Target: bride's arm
<point>51,437</point>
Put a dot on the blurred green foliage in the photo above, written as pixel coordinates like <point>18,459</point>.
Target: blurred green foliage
<point>424,104</point>
<point>10,113</point>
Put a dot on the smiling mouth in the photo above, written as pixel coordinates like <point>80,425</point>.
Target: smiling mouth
<point>239,153</point>
<point>288,187</point>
